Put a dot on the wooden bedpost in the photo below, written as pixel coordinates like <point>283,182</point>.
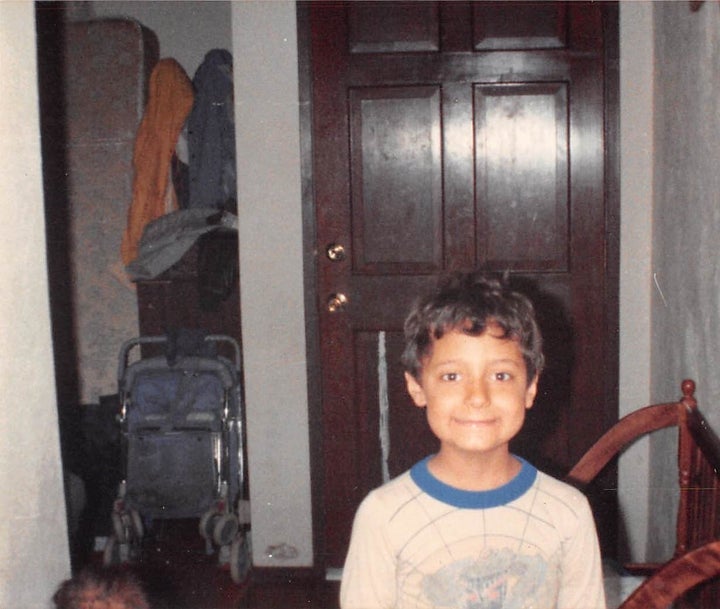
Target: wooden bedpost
<point>686,405</point>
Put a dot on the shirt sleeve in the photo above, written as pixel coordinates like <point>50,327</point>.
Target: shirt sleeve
<point>581,585</point>
<point>368,580</point>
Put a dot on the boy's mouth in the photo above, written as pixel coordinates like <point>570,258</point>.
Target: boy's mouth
<point>475,423</point>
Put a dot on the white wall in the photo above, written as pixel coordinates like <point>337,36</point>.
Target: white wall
<point>670,236</point>
<point>636,169</point>
<point>271,271</point>
<point>34,553</point>
<point>686,232</point>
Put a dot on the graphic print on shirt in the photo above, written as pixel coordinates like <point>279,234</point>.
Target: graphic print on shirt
<point>496,579</point>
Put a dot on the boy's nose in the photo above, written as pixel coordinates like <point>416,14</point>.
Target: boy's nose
<point>477,394</point>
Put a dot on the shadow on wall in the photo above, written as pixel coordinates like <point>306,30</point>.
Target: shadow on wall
<point>554,389</point>
<point>50,24</point>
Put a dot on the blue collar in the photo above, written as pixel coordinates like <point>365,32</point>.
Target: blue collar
<point>473,499</point>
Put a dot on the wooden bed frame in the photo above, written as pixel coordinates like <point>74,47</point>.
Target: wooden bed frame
<point>691,577</point>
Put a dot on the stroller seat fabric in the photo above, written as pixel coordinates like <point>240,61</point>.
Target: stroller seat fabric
<point>184,396</point>
<point>171,474</point>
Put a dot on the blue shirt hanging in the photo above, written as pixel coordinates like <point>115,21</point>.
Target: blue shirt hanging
<point>211,135</point>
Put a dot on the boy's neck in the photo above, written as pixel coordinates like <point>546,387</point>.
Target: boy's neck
<point>474,472</point>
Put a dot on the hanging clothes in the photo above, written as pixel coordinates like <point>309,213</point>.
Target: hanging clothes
<point>170,100</point>
<point>211,135</point>
<point>168,238</point>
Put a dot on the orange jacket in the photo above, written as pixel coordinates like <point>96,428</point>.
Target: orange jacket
<point>170,100</point>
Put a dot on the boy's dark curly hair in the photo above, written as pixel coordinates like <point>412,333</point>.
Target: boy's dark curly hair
<point>469,302</point>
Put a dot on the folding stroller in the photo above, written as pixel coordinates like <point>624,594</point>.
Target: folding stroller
<point>182,447</point>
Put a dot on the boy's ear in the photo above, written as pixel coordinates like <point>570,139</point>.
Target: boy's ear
<point>531,392</point>
<point>415,390</point>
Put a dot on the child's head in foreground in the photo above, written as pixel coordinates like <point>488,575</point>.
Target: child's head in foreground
<point>107,588</point>
<point>472,303</point>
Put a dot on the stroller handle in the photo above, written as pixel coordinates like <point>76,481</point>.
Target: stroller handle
<point>130,344</point>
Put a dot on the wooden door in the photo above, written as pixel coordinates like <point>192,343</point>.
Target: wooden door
<point>454,135</point>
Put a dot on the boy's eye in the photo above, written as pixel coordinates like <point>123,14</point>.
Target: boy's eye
<point>502,376</point>
<point>450,376</point>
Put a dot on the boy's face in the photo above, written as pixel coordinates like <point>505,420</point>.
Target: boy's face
<point>476,391</point>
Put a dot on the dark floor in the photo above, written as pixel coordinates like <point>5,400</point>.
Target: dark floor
<point>179,574</point>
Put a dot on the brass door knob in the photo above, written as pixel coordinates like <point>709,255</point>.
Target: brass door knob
<point>335,252</point>
<point>336,302</point>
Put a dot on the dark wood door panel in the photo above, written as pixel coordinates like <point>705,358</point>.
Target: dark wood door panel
<point>520,25</point>
<point>400,27</point>
<point>396,179</point>
<point>382,302</point>
<point>521,153</point>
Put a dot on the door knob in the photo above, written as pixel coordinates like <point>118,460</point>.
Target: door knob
<point>335,252</point>
<point>336,302</point>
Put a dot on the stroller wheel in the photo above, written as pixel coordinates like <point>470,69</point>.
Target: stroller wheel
<point>240,557</point>
<point>111,552</point>
<point>119,521</point>
<point>225,529</point>
<point>117,552</point>
<point>207,524</point>
<point>137,524</point>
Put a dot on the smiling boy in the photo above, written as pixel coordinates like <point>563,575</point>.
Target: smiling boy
<point>473,525</point>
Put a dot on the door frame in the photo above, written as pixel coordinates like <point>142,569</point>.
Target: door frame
<point>610,12</point>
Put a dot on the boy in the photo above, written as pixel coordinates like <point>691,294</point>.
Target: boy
<point>473,525</point>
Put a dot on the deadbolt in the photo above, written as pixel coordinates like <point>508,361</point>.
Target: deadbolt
<point>336,302</point>
<point>335,252</point>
